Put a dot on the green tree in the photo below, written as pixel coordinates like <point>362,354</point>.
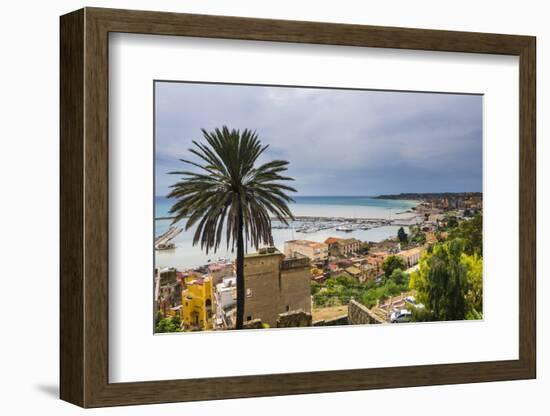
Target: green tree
<point>365,247</point>
<point>452,222</point>
<point>391,263</point>
<point>373,296</point>
<point>389,288</point>
<point>315,288</point>
<point>228,193</point>
<point>168,325</point>
<point>338,290</point>
<point>399,277</point>
<point>471,231</point>
<point>442,283</point>
<point>402,235</point>
<point>417,236</point>
<point>158,317</point>
<point>421,315</point>
<point>474,294</point>
<point>176,320</point>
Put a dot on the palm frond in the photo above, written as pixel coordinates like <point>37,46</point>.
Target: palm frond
<point>228,182</point>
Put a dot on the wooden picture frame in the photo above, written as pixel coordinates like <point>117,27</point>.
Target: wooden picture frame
<point>84,207</point>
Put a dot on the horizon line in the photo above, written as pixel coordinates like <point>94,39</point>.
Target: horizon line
<point>374,195</point>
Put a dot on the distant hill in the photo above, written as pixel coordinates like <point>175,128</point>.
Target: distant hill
<point>431,195</point>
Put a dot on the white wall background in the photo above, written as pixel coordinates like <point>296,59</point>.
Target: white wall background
<point>29,208</point>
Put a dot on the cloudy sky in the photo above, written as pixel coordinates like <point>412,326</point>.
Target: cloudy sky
<point>338,142</point>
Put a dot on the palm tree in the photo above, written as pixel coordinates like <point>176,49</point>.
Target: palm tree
<point>230,192</point>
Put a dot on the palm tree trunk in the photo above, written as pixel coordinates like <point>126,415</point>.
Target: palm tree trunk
<point>240,270</point>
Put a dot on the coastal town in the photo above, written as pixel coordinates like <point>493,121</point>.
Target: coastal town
<point>340,280</point>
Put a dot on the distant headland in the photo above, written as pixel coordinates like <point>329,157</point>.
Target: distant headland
<point>430,195</point>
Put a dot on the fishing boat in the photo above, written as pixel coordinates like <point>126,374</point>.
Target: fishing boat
<point>347,228</point>
<point>163,242</point>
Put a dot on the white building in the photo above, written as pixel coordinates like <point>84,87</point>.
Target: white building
<point>411,256</point>
<point>225,297</point>
<point>313,250</point>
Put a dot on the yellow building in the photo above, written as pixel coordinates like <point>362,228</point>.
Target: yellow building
<point>196,301</point>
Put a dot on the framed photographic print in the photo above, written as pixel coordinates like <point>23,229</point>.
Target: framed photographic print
<point>255,207</point>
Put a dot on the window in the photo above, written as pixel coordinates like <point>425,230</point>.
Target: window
<point>248,318</point>
<point>287,308</point>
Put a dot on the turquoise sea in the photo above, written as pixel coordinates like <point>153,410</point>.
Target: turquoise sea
<point>185,255</point>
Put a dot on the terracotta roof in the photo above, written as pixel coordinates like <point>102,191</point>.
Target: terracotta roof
<point>353,270</point>
<point>215,267</point>
<point>344,241</point>
<point>312,244</point>
<point>410,252</point>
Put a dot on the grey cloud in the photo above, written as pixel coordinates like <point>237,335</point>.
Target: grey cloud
<point>338,142</point>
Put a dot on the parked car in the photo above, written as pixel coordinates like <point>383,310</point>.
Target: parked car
<point>401,315</point>
<point>411,300</point>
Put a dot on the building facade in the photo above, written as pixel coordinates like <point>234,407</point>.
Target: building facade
<point>167,291</point>
<point>316,252</point>
<point>218,271</point>
<point>377,259</point>
<point>411,256</point>
<point>342,246</point>
<point>196,301</point>
<point>225,301</point>
<point>275,285</point>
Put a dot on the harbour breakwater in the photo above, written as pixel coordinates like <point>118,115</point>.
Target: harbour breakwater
<point>311,224</point>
